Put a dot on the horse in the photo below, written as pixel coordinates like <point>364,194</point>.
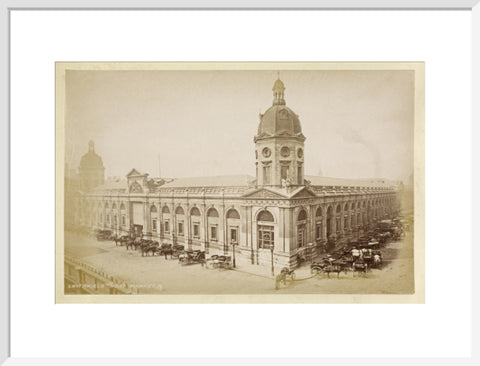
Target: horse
<point>281,277</point>
<point>123,239</point>
<point>116,239</point>
<point>288,273</point>
<point>130,244</point>
<point>336,268</point>
<point>377,260</point>
<point>150,249</point>
<point>166,249</point>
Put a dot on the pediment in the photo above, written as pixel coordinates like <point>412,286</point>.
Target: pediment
<point>264,193</point>
<point>135,173</point>
<point>304,193</point>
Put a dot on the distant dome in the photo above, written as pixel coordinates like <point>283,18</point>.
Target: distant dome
<point>279,120</point>
<point>91,160</point>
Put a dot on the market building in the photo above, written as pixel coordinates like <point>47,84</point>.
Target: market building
<point>279,214</point>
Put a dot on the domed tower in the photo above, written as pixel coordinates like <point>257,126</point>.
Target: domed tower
<point>91,170</point>
<point>279,144</point>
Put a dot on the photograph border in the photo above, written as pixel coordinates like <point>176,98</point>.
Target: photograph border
<point>8,6</point>
<point>418,297</point>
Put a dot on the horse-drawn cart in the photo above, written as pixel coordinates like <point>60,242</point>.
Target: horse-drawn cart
<point>102,235</point>
<point>219,261</point>
<point>191,257</point>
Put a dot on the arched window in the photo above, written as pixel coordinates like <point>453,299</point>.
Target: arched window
<point>106,205</point>
<point>114,206</point>
<point>232,229</point>
<point>330,211</point>
<point>122,207</point>
<point>180,225</point>
<point>319,212</point>
<point>212,218</point>
<point>265,216</point>
<point>165,210</point>
<point>302,215</point>
<point>338,209</point>
<point>195,212</point>
<point>301,228</point>
<point>346,207</point>
<point>212,213</point>
<point>233,214</point>
<point>153,209</point>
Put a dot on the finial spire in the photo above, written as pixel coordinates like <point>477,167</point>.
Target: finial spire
<point>278,91</point>
<point>91,146</point>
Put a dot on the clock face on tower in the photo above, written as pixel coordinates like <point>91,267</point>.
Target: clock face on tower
<point>266,152</point>
<point>285,152</point>
<point>300,153</point>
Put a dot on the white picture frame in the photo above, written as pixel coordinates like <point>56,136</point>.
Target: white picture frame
<point>8,8</point>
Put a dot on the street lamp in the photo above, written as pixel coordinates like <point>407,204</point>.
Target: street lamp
<point>271,251</point>
<point>267,239</point>
<point>233,253</point>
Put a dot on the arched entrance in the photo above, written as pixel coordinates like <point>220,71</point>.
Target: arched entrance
<point>301,228</point>
<point>233,231</point>
<point>212,229</point>
<point>266,234</point>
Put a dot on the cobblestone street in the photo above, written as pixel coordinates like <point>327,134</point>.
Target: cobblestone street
<point>155,275</point>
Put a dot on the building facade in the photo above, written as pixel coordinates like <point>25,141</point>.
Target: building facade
<point>279,215</point>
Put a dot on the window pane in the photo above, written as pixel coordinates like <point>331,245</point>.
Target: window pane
<point>266,175</point>
<point>265,237</point>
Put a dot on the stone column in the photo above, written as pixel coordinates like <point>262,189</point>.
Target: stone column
<point>281,229</point>
<point>104,220</point>
<point>243,240</point>
<point>289,230</point>
<point>129,209</point>
<point>147,218</point>
<point>186,226</point>
<point>222,223</point>
<point>119,217</point>
<point>173,223</point>
<point>204,229</point>
<point>311,225</point>
<point>324,222</point>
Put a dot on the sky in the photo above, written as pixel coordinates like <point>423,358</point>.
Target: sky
<point>358,124</point>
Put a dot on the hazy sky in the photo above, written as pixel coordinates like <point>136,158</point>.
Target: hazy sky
<point>358,124</point>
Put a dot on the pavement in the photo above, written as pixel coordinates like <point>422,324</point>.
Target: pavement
<point>155,275</point>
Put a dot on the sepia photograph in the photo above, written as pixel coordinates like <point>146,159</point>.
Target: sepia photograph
<point>239,182</point>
